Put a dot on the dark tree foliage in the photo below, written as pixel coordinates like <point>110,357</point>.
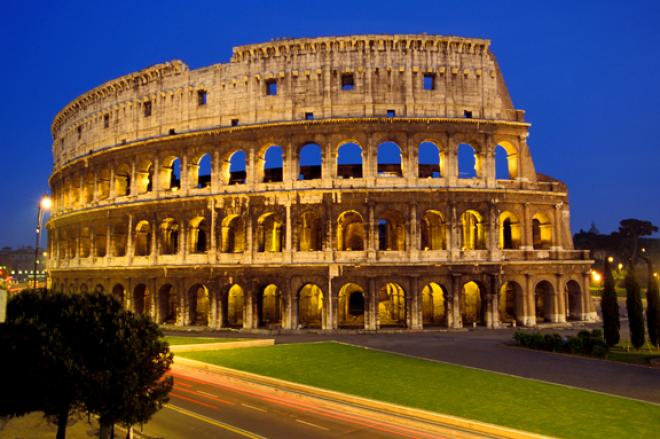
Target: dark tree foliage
<point>635,310</point>
<point>610,308</point>
<point>630,230</point>
<point>652,307</point>
<point>82,352</point>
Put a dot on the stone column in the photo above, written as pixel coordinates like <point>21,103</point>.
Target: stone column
<point>155,176</point>
<point>215,171</point>
<point>129,240</point>
<point>372,236</point>
<point>560,295</point>
<point>413,238</point>
<point>527,241</point>
<point>214,214</point>
<point>288,238</point>
<point>133,186</point>
<point>108,239</point>
<point>530,318</point>
<point>451,161</point>
<point>371,321</point>
<point>154,239</point>
<point>456,287</point>
<point>415,321</point>
<point>556,243</point>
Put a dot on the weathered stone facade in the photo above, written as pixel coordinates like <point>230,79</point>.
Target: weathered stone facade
<point>335,243</point>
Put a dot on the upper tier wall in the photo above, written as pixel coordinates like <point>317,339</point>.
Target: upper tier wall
<point>387,71</point>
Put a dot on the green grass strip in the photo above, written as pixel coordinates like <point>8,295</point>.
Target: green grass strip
<point>174,340</point>
<point>485,396</point>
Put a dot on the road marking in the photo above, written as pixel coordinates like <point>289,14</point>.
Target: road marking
<point>254,408</point>
<point>215,423</point>
<point>194,401</point>
<point>320,427</point>
<point>206,395</point>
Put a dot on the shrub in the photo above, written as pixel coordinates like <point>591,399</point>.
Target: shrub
<point>554,342</point>
<point>574,345</point>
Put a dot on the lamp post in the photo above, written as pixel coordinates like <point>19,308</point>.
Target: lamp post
<point>44,205</point>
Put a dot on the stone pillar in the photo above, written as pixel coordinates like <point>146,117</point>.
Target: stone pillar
<point>371,320</point>
<point>213,254</point>
<point>288,238</point>
<point>129,240</point>
<point>155,176</point>
<point>372,236</point>
<point>560,295</point>
<point>493,230</point>
<point>133,187</point>
<point>215,171</point>
<point>249,244</point>
<point>108,239</point>
<point>530,318</point>
<point>185,174</point>
<point>456,287</point>
<point>330,306</point>
<point>527,241</point>
<point>556,243</point>
<point>415,320</point>
<point>413,237</point>
<point>154,239</point>
<point>451,160</point>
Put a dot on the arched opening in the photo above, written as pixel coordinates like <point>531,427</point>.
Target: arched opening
<point>118,239</point>
<point>351,306</point>
<point>99,288</point>
<point>506,161</point>
<point>429,160</point>
<point>511,303</point>
<point>389,160</point>
<point>468,161</point>
<point>473,305</point>
<point>270,306</point>
<point>310,306</point>
<point>237,173</point>
<point>122,182</point>
<point>198,235</point>
<point>119,293</point>
<point>169,237</point>
<point>204,172</point>
<point>88,188</point>
<point>510,231</point>
<point>102,186</point>
<point>310,159</point>
<point>350,231</point>
<point>144,176</point>
<point>273,162</point>
<point>391,231</point>
<point>232,234</point>
<point>168,304</point>
<point>100,240</point>
<point>541,232</point>
<point>83,288</point>
<point>349,161</point>
<point>235,300</point>
<point>85,242</point>
<point>434,305</point>
<point>473,231</point>
<point>574,300</point>
<point>143,238</point>
<point>175,174</point>
<point>141,300</point>
<point>269,233</point>
<point>310,232</point>
<point>392,305</point>
<point>433,231</point>
<point>543,297</point>
<point>198,305</point>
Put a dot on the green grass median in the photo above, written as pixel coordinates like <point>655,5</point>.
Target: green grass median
<point>485,396</point>
<point>175,340</point>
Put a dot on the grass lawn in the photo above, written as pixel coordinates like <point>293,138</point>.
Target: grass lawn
<point>455,390</point>
<point>625,353</point>
<point>175,340</point>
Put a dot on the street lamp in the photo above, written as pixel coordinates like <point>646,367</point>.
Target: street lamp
<point>44,205</point>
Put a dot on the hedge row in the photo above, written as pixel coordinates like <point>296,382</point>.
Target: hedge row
<point>586,342</point>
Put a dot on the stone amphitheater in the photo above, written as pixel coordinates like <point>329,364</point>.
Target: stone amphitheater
<point>341,182</point>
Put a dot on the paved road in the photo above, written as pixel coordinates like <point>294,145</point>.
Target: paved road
<point>206,405</point>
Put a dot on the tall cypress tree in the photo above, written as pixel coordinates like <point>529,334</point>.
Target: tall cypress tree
<point>610,308</point>
<point>652,307</point>
<point>635,309</point>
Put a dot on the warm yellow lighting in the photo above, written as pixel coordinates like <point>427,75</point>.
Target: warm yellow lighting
<point>610,259</point>
<point>596,276</point>
<point>655,274</point>
<point>620,266</point>
<point>46,203</point>
<point>643,250</point>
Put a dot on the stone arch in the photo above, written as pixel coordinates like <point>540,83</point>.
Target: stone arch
<point>573,300</point>
<point>351,306</point>
<point>270,233</point>
<point>392,305</point>
<point>270,306</point>
<point>511,303</point>
<point>543,299</point>
<point>429,160</point>
<point>433,231</point>
<point>391,231</point>
<point>168,305</point>
<point>473,304</point>
<point>434,304</point>
<point>271,163</point>
<point>119,293</point>
<point>170,173</point>
<point>506,161</point>
<point>142,238</point>
<point>388,157</point>
<point>541,231</point>
<point>310,231</point>
<point>235,306</point>
<point>144,176</point>
<point>310,306</point>
<point>102,186</point>
<point>351,233</point>
<point>510,231</point>
<point>169,237</point>
<point>141,299</point>
<point>310,162</point>
<point>198,235</point>
<point>235,167</point>
<point>473,236</point>
<point>232,234</point>
<point>201,171</point>
<point>121,186</point>
<point>199,305</point>
<point>349,160</point>
<point>469,165</point>
<point>99,288</point>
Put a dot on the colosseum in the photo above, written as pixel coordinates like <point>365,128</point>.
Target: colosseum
<point>362,182</point>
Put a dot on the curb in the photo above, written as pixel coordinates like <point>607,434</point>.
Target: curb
<point>414,416</point>
<point>221,346</point>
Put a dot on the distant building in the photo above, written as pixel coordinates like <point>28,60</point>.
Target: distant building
<point>19,264</point>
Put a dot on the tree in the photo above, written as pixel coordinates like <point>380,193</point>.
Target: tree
<point>610,308</point>
<point>630,230</point>
<point>652,306</point>
<point>635,310</point>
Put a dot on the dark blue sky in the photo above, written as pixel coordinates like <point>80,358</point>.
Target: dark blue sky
<point>586,72</point>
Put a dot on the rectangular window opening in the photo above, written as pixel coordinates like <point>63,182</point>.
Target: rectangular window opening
<point>147,109</point>
<point>106,120</point>
<point>172,131</point>
<point>79,131</point>
<point>347,81</point>
<point>391,113</point>
<point>234,122</point>
<point>271,87</point>
<point>201,97</point>
<point>309,116</point>
<point>429,81</point>
<point>467,114</point>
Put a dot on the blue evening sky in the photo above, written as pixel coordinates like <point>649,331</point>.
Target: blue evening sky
<point>586,72</point>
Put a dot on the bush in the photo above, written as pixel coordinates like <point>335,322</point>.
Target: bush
<point>586,342</point>
<point>554,342</point>
<point>574,345</point>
